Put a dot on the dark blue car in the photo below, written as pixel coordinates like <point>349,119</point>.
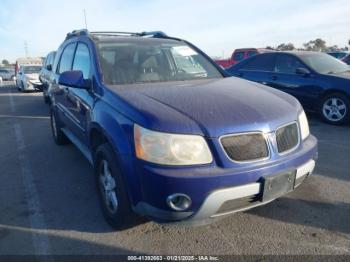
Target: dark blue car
<point>320,82</point>
<point>169,135</point>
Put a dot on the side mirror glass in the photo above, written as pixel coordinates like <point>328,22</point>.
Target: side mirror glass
<point>49,67</point>
<point>302,71</point>
<point>74,79</point>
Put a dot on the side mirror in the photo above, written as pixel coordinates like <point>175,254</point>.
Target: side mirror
<point>74,79</point>
<point>302,71</point>
<point>49,67</point>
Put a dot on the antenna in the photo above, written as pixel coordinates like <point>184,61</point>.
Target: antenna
<point>85,18</point>
<point>26,48</point>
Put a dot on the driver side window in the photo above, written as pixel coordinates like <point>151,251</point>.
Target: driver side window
<point>82,60</point>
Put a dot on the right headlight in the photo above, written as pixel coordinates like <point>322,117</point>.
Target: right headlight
<point>170,149</point>
<point>304,125</point>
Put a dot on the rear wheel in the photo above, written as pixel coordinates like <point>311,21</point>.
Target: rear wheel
<point>22,87</point>
<point>335,109</point>
<point>112,191</point>
<point>57,133</point>
<point>18,87</point>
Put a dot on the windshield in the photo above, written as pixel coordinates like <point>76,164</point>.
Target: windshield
<point>338,55</point>
<point>324,64</point>
<point>152,61</point>
<point>31,69</point>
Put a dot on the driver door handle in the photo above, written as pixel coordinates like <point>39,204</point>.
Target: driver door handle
<point>274,78</point>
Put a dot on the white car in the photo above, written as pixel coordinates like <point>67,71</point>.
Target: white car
<point>27,78</point>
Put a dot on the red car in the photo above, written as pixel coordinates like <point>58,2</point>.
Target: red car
<point>239,55</point>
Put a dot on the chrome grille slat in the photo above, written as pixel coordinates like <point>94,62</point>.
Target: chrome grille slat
<point>287,138</point>
<point>245,147</point>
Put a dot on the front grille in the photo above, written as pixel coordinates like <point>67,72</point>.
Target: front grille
<point>245,147</point>
<point>287,137</point>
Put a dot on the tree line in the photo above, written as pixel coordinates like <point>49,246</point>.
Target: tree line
<point>318,44</point>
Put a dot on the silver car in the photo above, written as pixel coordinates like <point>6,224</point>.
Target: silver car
<point>46,75</point>
<point>27,78</point>
<point>7,74</point>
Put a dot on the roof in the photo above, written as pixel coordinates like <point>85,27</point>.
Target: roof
<point>295,52</point>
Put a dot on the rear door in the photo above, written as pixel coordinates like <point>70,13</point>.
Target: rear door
<point>258,69</point>
<point>304,87</point>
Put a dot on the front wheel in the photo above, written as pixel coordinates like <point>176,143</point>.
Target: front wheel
<point>335,109</point>
<point>112,191</point>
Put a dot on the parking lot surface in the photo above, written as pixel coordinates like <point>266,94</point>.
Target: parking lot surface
<point>49,203</point>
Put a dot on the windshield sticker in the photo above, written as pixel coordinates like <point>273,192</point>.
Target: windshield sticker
<point>184,50</point>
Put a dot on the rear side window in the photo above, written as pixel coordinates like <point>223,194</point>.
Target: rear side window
<point>51,60</point>
<point>66,58</point>
<point>260,63</point>
<point>238,56</point>
<point>82,60</point>
<point>251,53</point>
<point>46,61</point>
<point>287,64</point>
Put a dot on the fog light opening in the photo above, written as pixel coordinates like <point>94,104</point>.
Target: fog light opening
<point>179,202</point>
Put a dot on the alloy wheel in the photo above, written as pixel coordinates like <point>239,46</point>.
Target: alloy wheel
<point>334,109</point>
<point>54,127</point>
<point>107,185</point>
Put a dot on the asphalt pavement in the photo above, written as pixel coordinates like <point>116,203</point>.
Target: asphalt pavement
<point>49,202</point>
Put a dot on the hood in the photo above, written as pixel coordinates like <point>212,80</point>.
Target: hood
<point>343,75</point>
<point>210,107</point>
<point>34,76</point>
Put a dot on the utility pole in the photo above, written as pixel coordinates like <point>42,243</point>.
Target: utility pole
<point>26,49</point>
<point>85,18</point>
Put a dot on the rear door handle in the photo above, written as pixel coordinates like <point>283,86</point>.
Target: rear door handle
<point>274,78</point>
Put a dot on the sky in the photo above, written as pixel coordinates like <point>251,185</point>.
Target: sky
<point>217,27</point>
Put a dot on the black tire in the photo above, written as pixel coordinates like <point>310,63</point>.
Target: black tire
<point>123,216</point>
<point>22,87</point>
<point>18,88</point>
<point>326,108</point>
<point>58,136</point>
<point>46,98</point>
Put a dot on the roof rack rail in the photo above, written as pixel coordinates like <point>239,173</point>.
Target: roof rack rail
<point>158,34</point>
<point>77,33</point>
<point>111,33</point>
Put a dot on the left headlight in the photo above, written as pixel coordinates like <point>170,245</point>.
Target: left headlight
<point>304,125</point>
<point>170,149</point>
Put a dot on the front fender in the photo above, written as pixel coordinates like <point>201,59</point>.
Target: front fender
<point>115,127</point>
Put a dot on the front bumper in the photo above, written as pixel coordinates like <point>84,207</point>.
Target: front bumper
<point>31,86</point>
<point>216,191</point>
<point>213,204</point>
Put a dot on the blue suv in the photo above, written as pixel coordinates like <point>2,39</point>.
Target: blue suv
<point>170,136</point>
